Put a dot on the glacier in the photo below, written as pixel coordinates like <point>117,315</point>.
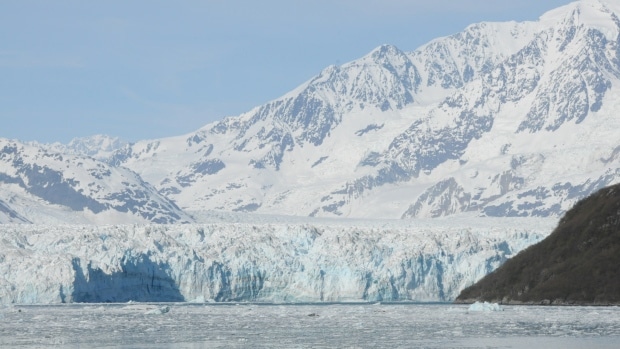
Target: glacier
<point>505,120</point>
<point>247,259</point>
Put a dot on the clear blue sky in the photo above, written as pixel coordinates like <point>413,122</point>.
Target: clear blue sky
<point>149,69</point>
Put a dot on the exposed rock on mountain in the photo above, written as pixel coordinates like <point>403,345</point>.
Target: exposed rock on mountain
<point>43,186</point>
<point>576,264</point>
<point>502,119</point>
<point>100,147</point>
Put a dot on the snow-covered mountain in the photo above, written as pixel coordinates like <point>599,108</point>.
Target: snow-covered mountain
<point>100,147</point>
<point>338,260</point>
<point>502,119</point>
<point>38,185</point>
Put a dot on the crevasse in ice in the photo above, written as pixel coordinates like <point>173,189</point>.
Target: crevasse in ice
<point>265,262</point>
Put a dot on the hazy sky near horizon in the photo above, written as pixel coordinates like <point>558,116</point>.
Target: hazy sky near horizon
<point>150,69</point>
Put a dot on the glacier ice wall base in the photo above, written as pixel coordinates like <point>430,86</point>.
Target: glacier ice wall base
<point>263,262</point>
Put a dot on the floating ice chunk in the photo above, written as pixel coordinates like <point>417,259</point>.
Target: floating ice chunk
<point>158,311</point>
<point>486,306</point>
<point>199,300</point>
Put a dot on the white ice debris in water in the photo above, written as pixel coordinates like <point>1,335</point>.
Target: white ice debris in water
<point>486,306</point>
<point>282,326</point>
<point>199,300</point>
<point>158,311</point>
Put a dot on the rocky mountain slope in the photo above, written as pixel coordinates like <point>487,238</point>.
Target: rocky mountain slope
<point>43,186</point>
<point>502,119</point>
<point>576,264</point>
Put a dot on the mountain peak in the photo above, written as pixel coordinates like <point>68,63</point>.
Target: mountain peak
<point>482,121</point>
<point>597,14</point>
<point>99,146</point>
<point>501,119</point>
<point>388,55</point>
<point>385,50</point>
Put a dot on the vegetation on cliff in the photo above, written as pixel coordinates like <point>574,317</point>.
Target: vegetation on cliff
<point>579,263</point>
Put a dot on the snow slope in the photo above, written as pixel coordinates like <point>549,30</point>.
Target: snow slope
<point>268,260</point>
<point>100,147</point>
<point>502,119</point>
<point>43,186</point>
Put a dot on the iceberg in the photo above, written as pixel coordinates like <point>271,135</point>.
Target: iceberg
<point>485,307</point>
<point>158,311</point>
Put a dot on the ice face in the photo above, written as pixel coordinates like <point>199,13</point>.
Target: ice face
<point>266,262</point>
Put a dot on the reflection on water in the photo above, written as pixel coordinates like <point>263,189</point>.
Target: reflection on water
<point>137,325</point>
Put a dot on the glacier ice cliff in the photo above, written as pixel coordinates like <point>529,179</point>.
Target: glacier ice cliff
<point>271,261</point>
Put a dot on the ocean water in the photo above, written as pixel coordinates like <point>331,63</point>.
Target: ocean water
<point>182,325</point>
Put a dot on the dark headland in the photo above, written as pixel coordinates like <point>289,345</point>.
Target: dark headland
<point>578,264</point>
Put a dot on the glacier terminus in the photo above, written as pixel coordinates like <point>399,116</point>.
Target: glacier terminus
<point>264,261</point>
<point>399,176</point>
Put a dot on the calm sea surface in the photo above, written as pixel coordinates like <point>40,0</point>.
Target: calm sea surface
<point>138,325</point>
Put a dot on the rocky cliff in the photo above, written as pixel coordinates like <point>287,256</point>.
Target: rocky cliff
<point>576,264</point>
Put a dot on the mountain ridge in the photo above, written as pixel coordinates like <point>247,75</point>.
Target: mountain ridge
<point>502,119</point>
<point>436,134</point>
<point>40,185</point>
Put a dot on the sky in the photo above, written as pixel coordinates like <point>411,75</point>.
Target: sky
<point>152,68</point>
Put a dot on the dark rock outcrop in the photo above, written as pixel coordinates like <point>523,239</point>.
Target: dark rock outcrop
<point>577,263</point>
